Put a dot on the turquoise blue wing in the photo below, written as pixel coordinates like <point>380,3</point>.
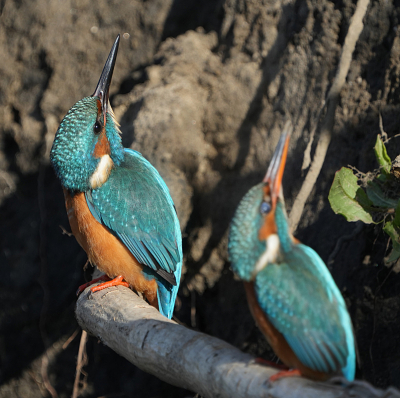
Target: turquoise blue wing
<point>303,302</point>
<point>135,204</point>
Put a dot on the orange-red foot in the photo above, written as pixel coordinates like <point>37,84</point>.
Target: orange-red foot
<point>284,373</point>
<point>81,288</point>
<point>262,361</point>
<point>114,282</point>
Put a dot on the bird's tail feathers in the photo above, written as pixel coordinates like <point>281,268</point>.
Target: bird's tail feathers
<point>350,369</point>
<point>166,294</point>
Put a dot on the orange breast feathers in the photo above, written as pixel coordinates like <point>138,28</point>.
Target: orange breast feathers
<point>102,146</point>
<point>104,250</point>
<point>276,339</point>
<point>268,228</point>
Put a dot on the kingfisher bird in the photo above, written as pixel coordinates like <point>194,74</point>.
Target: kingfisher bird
<point>291,294</point>
<point>119,208</point>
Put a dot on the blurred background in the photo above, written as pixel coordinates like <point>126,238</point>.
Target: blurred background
<point>202,89</point>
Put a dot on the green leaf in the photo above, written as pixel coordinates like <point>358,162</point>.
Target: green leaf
<point>382,156</point>
<point>348,199</point>
<point>395,237</point>
<point>363,199</point>
<point>383,178</point>
<point>378,198</point>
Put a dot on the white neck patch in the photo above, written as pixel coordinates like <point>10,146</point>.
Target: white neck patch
<point>270,255</point>
<point>103,170</point>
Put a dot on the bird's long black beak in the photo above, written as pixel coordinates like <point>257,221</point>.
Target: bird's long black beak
<point>277,166</point>
<point>103,86</point>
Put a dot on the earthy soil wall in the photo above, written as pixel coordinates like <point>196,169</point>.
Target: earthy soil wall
<point>203,90</point>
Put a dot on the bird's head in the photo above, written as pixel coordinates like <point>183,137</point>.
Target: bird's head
<point>87,143</point>
<point>272,201</point>
<point>254,239</point>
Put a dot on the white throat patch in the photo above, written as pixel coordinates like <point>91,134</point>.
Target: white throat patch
<point>103,170</point>
<point>270,255</point>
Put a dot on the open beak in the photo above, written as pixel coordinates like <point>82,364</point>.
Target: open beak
<point>103,86</point>
<point>277,166</point>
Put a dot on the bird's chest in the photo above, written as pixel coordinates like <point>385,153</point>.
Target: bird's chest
<point>102,247</point>
<point>104,250</point>
<point>80,219</point>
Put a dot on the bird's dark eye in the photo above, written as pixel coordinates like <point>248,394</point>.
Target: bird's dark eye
<point>265,208</point>
<point>97,127</point>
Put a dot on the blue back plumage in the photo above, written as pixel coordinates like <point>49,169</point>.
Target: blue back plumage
<point>123,190</point>
<point>296,292</point>
<point>303,302</point>
<point>135,204</point>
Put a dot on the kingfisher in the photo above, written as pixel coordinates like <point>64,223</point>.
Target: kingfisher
<point>119,207</point>
<point>291,294</point>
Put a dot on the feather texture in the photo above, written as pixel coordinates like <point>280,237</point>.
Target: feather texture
<point>293,290</point>
<point>303,302</point>
<point>244,247</point>
<point>135,204</point>
<point>119,207</point>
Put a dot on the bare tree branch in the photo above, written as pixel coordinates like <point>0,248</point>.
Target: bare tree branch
<point>352,36</point>
<point>80,363</point>
<point>193,360</point>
